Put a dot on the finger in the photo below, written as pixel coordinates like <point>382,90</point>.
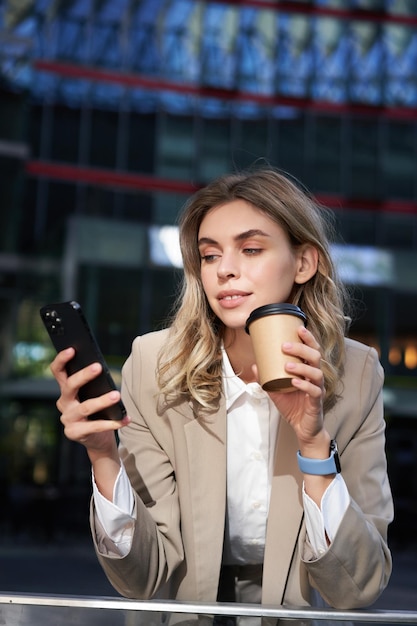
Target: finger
<point>312,391</point>
<point>70,387</point>
<point>59,363</point>
<point>308,338</point>
<point>82,377</point>
<point>303,352</point>
<point>81,411</point>
<point>81,431</point>
<point>307,378</point>
<point>305,370</point>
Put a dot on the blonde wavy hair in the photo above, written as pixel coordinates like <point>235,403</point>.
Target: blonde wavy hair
<point>190,364</point>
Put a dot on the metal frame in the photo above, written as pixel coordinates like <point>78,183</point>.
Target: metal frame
<point>226,609</point>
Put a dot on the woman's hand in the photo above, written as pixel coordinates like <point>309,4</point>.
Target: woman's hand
<point>303,408</point>
<point>96,435</point>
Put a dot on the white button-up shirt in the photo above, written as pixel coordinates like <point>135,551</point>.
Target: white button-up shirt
<point>252,422</point>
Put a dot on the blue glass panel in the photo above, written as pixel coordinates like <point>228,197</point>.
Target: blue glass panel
<point>366,62</point>
<point>45,86</point>
<point>400,82</point>
<point>176,103</point>
<point>212,107</point>
<point>41,6</point>
<point>106,45</point>
<point>72,92</point>
<point>255,50</point>
<point>143,53</point>
<point>143,101</point>
<point>111,11</point>
<point>250,111</point>
<point>15,56</point>
<point>331,54</point>
<point>295,60</point>
<point>107,96</point>
<point>178,40</point>
<point>218,41</point>
<point>70,40</point>
<point>75,9</point>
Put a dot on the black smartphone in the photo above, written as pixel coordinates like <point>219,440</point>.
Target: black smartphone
<point>67,327</point>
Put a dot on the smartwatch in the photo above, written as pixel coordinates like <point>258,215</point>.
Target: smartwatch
<point>321,467</point>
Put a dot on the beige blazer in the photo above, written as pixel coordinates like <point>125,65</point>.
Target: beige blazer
<point>176,461</point>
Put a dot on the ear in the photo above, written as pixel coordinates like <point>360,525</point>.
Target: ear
<point>308,261</point>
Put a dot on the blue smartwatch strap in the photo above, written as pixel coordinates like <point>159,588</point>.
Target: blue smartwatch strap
<point>321,467</point>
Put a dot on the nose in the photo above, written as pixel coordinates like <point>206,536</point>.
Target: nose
<point>227,267</point>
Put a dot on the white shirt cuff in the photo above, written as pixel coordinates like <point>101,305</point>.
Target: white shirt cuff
<point>322,523</point>
<point>117,517</point>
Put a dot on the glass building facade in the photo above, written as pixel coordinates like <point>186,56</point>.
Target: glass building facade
<point>113,113</point>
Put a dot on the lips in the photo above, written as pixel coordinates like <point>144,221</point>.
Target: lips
<point>227,296</point>
<point>232,299</point>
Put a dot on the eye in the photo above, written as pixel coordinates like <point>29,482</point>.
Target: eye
<point>252,251</point>
<point>209,258</point>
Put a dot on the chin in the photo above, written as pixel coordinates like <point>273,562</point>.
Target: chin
<point>233,319</point>
<point>238,325</point>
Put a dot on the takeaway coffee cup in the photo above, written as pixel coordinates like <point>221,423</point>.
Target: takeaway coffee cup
<point>269,327</point>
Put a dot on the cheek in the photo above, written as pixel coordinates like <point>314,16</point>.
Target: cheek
<point>262,273</point>
<point>275,274</point>
<point>205,279</point>
<point>271,269</point>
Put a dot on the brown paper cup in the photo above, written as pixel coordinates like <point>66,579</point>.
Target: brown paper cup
<point>269,327</point>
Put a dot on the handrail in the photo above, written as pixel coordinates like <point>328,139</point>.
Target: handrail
<point>226,609</point>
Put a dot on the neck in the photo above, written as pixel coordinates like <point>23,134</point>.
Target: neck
<point>239,349</point>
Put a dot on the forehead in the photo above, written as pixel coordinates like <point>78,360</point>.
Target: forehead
<point>237,215</point>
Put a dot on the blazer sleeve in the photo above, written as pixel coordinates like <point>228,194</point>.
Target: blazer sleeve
<point>356,568</point>
<point>156,549</point>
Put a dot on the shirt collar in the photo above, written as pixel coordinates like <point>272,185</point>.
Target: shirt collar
<point>234,386</point>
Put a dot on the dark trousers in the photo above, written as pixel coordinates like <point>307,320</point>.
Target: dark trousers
<point>238,584</point>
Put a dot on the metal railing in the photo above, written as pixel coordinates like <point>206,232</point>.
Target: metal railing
<point>46,610</point>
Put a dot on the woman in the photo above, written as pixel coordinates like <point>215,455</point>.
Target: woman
<point>220,490</point>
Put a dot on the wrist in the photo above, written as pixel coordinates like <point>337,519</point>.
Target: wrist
<point>106,470</point>
<point>104,455</point>
<point>317,448</point>
<point>319,466</point>
<point>103,459</point>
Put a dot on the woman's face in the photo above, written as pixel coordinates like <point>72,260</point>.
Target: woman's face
<point>246,262</point>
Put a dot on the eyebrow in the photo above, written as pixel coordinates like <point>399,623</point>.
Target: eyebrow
<point>247,234</point>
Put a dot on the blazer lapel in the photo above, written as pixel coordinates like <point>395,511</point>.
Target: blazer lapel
<point>284,518</point>
<point>206,443</point>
